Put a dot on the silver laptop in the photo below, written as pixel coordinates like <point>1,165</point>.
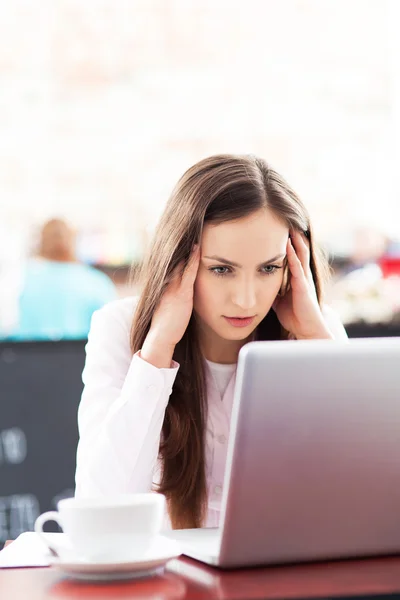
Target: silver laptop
<point>313,465</point>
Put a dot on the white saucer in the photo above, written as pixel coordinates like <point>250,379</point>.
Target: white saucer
<point>163,550</point>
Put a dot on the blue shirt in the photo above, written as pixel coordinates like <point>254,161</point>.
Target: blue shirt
<point>58,299</point>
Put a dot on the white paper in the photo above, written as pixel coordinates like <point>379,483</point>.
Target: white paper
<point>29,550</point>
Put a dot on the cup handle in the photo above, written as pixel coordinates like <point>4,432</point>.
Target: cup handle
<point>51,515</point>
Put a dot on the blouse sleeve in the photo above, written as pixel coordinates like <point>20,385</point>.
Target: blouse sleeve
<point>334,323</point>
<point>121,411</point>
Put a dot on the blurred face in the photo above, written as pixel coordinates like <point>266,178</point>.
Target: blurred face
<point>240,274</point>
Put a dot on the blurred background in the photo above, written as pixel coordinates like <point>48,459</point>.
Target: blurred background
<point>105,103</point>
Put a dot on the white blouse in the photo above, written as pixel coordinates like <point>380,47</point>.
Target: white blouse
<point>122,410</point>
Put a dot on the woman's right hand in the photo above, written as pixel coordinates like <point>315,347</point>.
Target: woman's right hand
<point>172,315</point>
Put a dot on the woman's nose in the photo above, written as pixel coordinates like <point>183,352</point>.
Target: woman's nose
<point>244,295</point>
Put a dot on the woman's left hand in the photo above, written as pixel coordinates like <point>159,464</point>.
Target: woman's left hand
<point>298,310</point>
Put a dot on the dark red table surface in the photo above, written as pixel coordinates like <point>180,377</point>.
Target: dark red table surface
<point>188,579</point>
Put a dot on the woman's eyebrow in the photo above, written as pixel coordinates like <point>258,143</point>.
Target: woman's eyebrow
<point>230,263</point>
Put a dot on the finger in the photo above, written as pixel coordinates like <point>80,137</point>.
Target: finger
<point>172,281</point>
<point>302,249</point>
<point>190,273</point>
<point>298,276</point>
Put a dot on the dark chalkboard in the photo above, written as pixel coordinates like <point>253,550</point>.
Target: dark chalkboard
<point>40,389</point>
<point>360,330</point>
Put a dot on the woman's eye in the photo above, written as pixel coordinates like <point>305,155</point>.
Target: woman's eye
<point>219,270</point>
<point>266,270</point>
<point>269,269</point>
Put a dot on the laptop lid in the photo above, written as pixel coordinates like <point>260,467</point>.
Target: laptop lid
<point>313,465</point>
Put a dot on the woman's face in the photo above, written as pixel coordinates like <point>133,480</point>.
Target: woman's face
<point>240,273</point>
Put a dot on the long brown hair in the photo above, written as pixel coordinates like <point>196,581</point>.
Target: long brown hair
<point>217,189</point>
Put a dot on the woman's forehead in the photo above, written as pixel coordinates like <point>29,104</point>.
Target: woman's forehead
<point>258,233</point>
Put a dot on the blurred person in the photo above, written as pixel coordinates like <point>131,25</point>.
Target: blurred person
<point>233,260</point>
<point>58,294</point>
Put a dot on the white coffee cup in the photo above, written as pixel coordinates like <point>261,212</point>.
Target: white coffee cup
<point>110,529</point>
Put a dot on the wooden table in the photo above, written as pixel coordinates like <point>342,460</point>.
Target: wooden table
<point>188,579</point>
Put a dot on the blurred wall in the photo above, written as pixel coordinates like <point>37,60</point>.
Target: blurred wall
<point>104,103</point>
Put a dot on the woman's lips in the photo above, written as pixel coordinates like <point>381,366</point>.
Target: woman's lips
<point>239,321</point>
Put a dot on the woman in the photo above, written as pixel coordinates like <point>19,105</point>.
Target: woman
<point>233,259</point>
